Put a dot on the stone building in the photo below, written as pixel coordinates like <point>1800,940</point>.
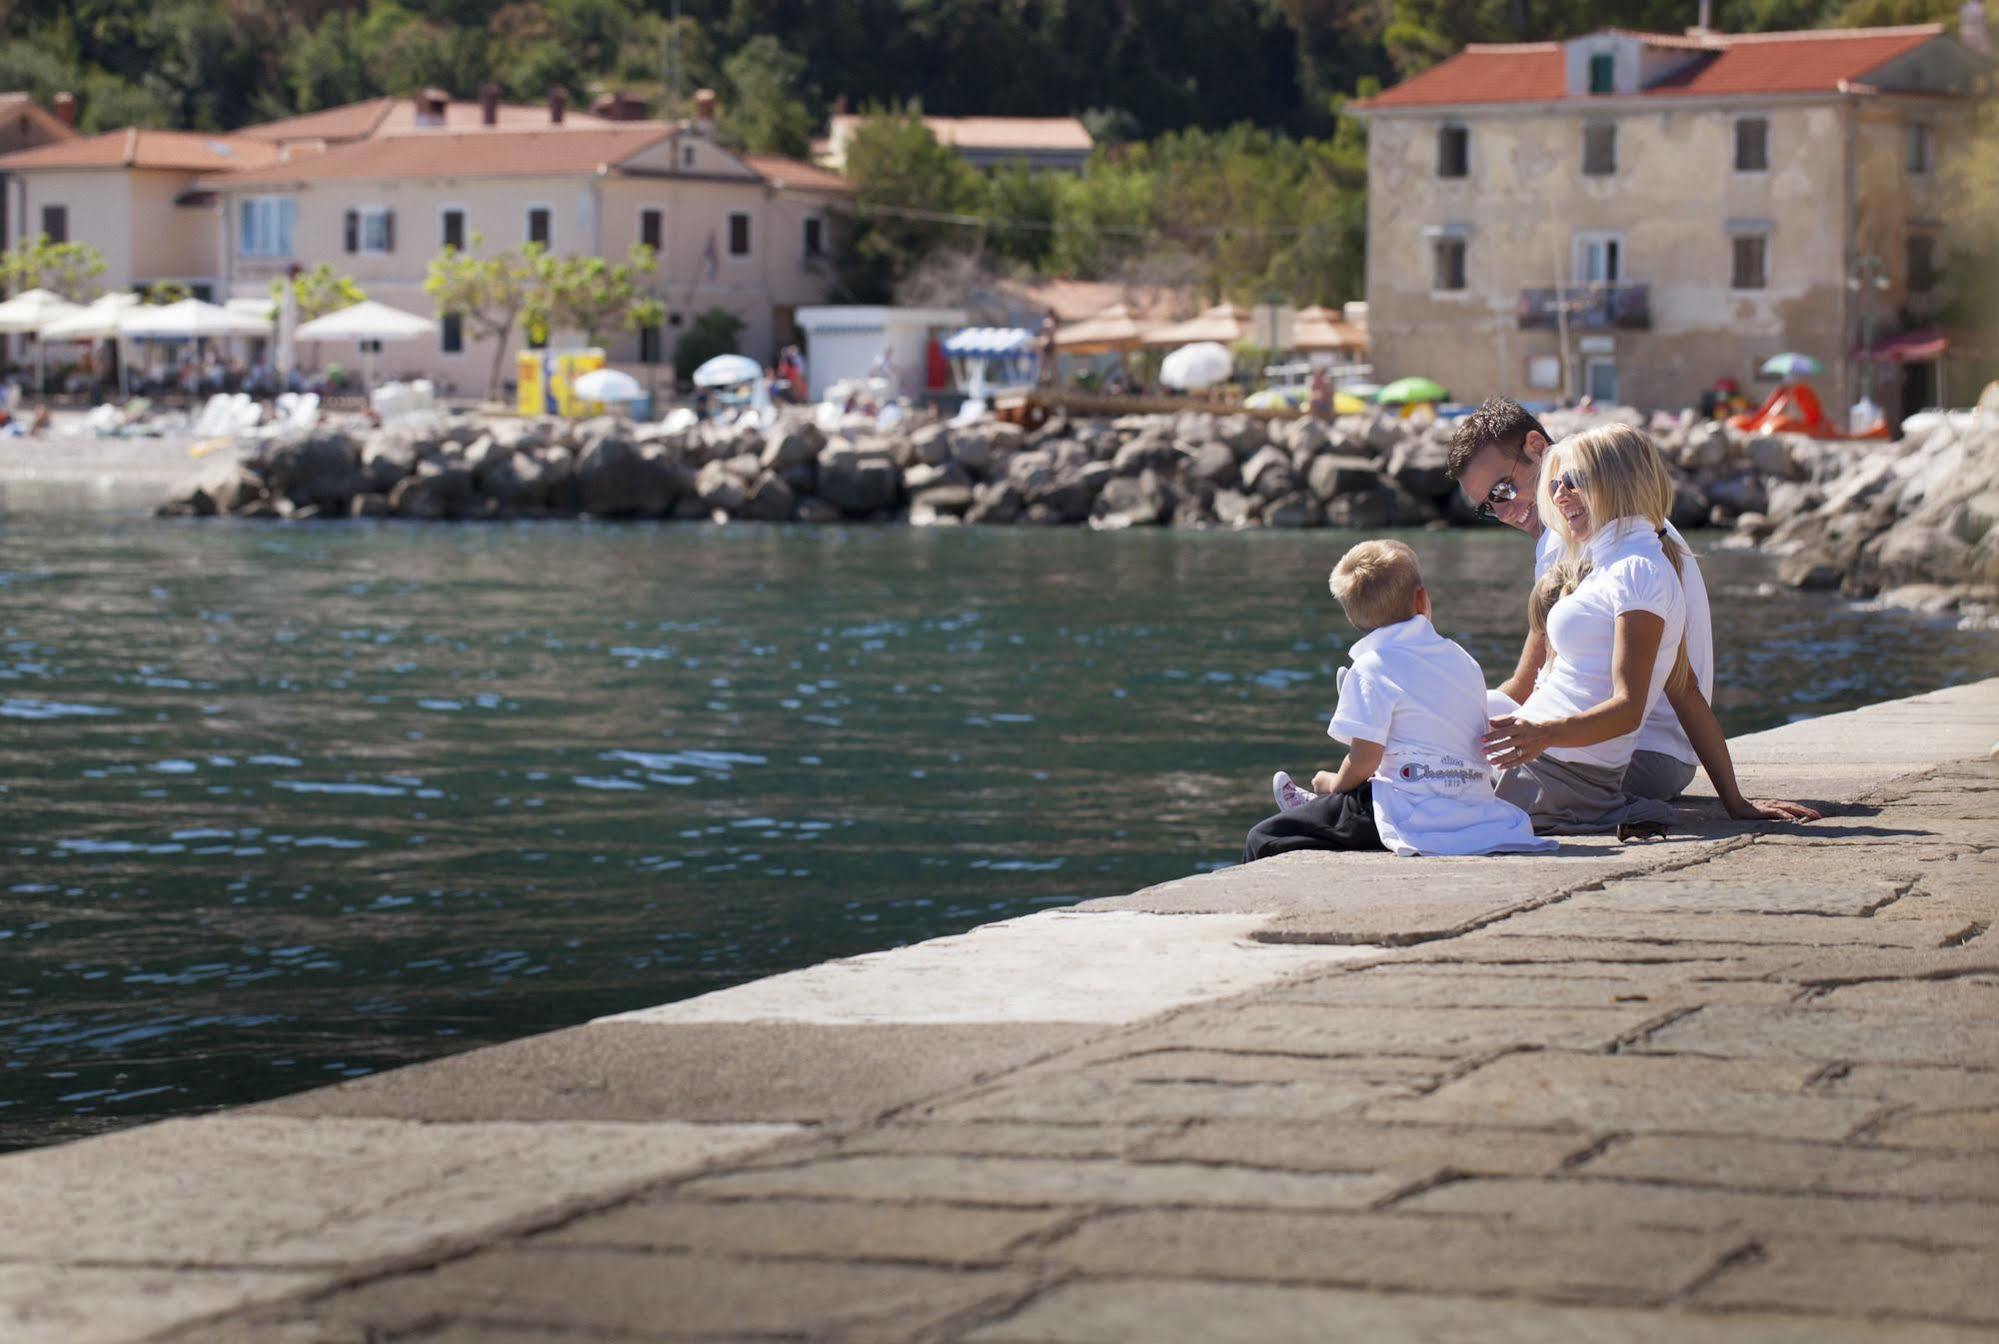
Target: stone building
<point>376,189</point>
<point>1634,215</point>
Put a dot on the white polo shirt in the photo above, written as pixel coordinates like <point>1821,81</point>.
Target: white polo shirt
<point>1423,698</point>
<point>1629,572</point>
<point>1661,730</point>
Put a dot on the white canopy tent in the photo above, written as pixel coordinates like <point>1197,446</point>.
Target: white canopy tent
<point>27,313</point>
<point>188,320</point>
<point>367,322</point>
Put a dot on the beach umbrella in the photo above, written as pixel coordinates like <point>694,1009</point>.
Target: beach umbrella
<point>369,323</point>
<point>1318,328</point>
<point>727,371</point>
<point>95,321</point>
<point>608,385</point>
<point>1410,391</point>
<point>1112,329</point>
<point>1791,365</point>
<point>30,311</point>
<point>1202,364</point>
<point>1346,403</point>
<point>188,320</point>
<point>1223,324</point>
<point>1360,391</point>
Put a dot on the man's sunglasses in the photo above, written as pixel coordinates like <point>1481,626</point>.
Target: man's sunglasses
<point>1503,491</point>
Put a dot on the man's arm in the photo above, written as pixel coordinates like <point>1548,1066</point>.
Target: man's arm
<point>1532,654</point>
<point>1363,759</point>
<point>1710,744</point>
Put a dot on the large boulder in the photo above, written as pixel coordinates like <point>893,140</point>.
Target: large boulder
<point>519,481</point>
<point>1068,498</point>
<point>1332,475</point>
<point>930,445</point>
<point>1375,506</point>
<point>1214,464</point>
<point>1131,501</point>
<point>995,502</point>
<point>320,468</point>
<point>1418,465</point>
<point>609,475</point>
<point>1771,454</point>
<point>1232,508</point>
<point>720,488</point>
<point>791,443</point>
<point>1268,473</point>
<point>769,500</point>
<point>386,457</point>
<point>858,484</point>
<point>1297,509</point>
<point>925,476</point>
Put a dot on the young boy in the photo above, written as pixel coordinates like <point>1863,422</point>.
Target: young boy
<point>1412,710</point>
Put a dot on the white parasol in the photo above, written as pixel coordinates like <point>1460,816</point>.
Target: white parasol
<point>1202,364</point>
<point>30,311</point>
<point>608,385</point>
<point>367,322</point>
<point>188,320</point>
<point>727,371</point>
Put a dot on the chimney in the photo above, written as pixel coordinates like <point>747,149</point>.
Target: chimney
<point>1971,29</point>
<point>489,104</point>
<point>704,113</point>
<point>431,105</point>
<point>619,106</point>
<point>558,103</point>
<point>65,108</point>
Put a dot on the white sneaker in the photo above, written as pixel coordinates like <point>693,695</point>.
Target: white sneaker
<point>1287,793</point>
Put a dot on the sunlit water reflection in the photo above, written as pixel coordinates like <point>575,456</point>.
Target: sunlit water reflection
<point>284,805</point>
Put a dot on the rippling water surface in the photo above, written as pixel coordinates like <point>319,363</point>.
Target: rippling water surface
<point>285,805</point>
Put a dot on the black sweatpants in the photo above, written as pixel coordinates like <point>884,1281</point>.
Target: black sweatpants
<point>1343,821</point>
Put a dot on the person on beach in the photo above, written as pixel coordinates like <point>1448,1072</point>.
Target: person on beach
<point>1613,646</point>
<point>1412,709</point>
<point>1496,456</point>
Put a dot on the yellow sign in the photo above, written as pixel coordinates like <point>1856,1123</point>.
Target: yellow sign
<point>544,379</point>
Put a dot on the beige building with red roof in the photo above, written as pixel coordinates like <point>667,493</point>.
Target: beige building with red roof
<point>379,188</point>
<point>1679,207</point>
<point>1061,144</point>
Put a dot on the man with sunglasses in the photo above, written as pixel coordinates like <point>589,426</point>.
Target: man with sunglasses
<point>1495,458</point>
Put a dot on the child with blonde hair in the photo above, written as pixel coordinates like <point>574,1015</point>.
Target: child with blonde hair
<point>1412,710</point>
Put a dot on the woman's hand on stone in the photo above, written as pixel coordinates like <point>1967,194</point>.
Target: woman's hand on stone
<point>1758,809</point>
<point>1514,741</point>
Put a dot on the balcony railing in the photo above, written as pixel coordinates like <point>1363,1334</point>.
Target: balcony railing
<point>1590,307</point>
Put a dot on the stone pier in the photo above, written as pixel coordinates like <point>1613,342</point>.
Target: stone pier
<point>1739,1085</point>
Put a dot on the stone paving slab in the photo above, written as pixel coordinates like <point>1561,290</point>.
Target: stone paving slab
<point>1736,1086</point>
<point>100,1304</point>
<point>1612,1205</point>
<point>1389,1251</point>
<point>1117,1311</point>
<point>698,1071</point>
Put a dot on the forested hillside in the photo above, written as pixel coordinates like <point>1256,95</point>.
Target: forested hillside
<point>1140,67</point>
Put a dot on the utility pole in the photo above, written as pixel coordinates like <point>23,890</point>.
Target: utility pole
<point>1870,275</point>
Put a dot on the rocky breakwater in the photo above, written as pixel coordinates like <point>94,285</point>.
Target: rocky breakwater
<point>1187,470</point>
<point>1914,523</point>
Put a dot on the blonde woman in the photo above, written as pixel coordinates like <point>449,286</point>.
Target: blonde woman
<point>1616,643</point>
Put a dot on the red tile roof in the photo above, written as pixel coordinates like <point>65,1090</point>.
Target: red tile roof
<point>544,152</point>
<point>395,116</point>
<point>992,133</point>
<point>1797,62</point>
<point>783,172</point>
<point>1749,64</point>
<point>185,151</point>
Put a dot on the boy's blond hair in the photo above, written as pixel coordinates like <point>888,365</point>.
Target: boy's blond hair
<point>1376,583</point>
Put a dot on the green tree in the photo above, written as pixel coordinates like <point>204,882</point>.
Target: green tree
<point>908,194</point>
<point>320,291</point>
<point>714,332</point>
<point>490,294</point>
<point>328,66</point>
<point>764,113</point>
<point>1971,278</point>
<point>593,295</point>
<point>68,269</point>
<point>164,292</point>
